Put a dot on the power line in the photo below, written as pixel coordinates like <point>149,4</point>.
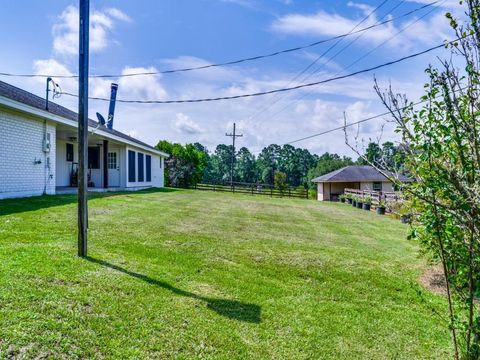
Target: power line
<point>264,108</point>
<point>395,35</point>
<point>343,127</point>
<point>360,58</point>
<point>234,136</point>
<point>358,122</point>
<point>233,62</point>
<point>277,90</point>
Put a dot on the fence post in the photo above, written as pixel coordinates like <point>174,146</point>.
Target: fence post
<point>271,191</point>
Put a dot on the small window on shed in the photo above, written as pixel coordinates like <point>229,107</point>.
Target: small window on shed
<point>377,186</point>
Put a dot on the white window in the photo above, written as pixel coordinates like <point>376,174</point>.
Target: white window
<point>112,160</point>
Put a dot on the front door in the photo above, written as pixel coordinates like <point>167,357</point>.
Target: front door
<point>113,169</point>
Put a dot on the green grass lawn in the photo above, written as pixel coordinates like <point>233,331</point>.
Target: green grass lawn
<point>189,274</point>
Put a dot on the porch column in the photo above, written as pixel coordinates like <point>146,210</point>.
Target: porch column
<point>105,164</point>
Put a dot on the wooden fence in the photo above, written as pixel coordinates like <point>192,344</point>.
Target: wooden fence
<point>376,196</point>
<point>253,189</point>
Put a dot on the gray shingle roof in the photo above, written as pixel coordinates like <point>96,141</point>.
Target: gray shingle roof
<point>355,174</point>
<point>14,93</point>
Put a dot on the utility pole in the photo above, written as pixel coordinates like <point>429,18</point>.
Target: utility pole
<point>233,135</point>
<point>83,127</point>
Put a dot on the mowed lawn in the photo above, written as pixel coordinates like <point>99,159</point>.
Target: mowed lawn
<point>189,274</point>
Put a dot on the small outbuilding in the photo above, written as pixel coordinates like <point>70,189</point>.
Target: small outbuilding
<point>330,186</point>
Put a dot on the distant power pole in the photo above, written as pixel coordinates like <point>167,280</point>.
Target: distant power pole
<point>83,127</point>
<point>233,135</point>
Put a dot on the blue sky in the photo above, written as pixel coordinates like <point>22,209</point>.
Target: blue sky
<point>132,36</point>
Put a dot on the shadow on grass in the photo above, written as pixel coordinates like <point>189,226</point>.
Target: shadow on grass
<point>231,309</point>
<point>13,206</point>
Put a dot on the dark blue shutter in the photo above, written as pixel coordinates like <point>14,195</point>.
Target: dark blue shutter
<point>131,166</point>
<point>148,160</point>
<point>140,167</point>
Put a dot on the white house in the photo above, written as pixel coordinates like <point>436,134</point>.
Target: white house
<point>38,151</point>
<point>333,184</point>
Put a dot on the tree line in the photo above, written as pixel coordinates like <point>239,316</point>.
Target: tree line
<point>190,164</point>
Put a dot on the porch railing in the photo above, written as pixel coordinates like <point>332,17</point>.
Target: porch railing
<point>376,196</point>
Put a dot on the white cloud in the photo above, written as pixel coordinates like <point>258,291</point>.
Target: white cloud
<point>404,35</point>
<point>118,14</point>
<point>185,125</point>
<point>52,66</point>
<point>141,87</point>
<point>367,9</point>
<point>66,33</point>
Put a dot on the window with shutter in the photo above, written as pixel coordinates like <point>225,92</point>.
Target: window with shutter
<point>148,164</point>
<point>131,166</point>
<point>140,167</point>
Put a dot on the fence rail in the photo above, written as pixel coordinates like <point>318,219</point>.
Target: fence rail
<point>376,196</point>
<point>253,189</point>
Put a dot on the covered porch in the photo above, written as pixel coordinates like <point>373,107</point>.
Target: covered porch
<point>65,190</point>
<point>331,191</point>
<point>106,162</point>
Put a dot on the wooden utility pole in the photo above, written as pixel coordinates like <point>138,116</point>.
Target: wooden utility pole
<point>234,136</point>
<point>83,127</point>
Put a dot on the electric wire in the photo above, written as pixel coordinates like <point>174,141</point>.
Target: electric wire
<point>275,100</point>
<point>296,87</point>
<point>360,58</point>
<point>318,69</point>
<point>359,121</point>
<point>344,126</point>
<point>233,62</point>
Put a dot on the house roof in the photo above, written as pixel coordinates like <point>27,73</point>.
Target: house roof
<point>16,94</point>
<point>355,174</point>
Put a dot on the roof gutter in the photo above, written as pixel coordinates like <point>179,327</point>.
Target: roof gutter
<point>353,181</point>
<point>61,120</point>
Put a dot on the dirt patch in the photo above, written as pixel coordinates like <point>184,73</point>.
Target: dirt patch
<point>433,280</point>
